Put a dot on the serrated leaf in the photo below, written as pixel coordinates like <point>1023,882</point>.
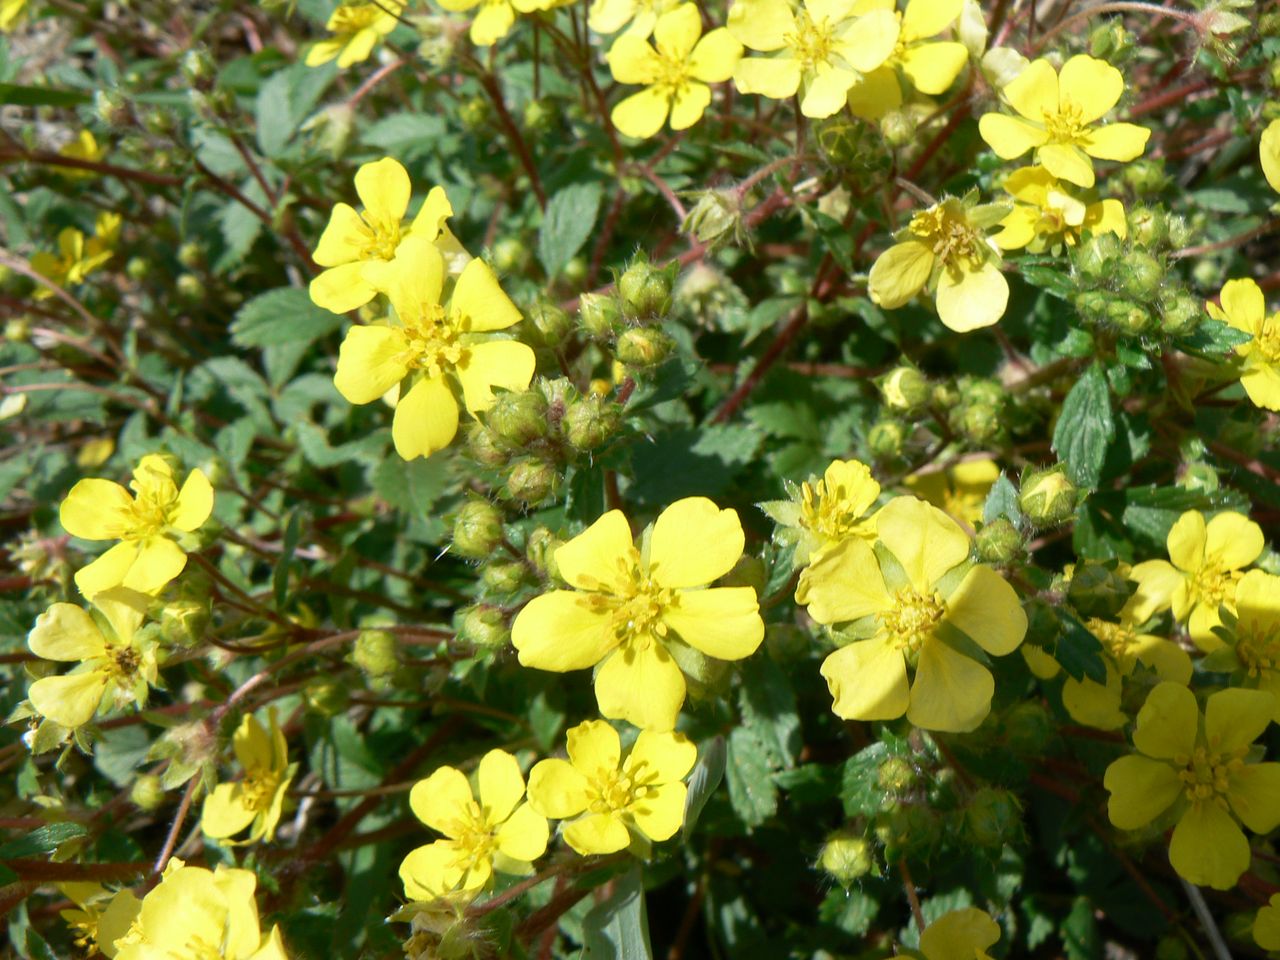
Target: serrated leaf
<point>569,219</point>
<point>1213,336</point>
<point>285,315</point>
<point>1078,651</point>
<point>752,792</point>
<point>1002,501</point>
<point>768,708</point>
<point>41,840</point>
<point>1085,428</point>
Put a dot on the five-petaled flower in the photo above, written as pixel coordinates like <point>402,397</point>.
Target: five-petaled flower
<point>1244,308</point>
<point>256,801</point>
<point>497,831</point>
<point>675,73</point>
<point>911,610</point>
<point>1058,113</point>
<point>633,605</point>
<point>1197,769</point>
<point>823,513</point>
<point>433,343</point>
<point>146,524</point>
<point>78,255</point>
<point>357,28</point>
<point>1046,216</point>
<point>606,797</point>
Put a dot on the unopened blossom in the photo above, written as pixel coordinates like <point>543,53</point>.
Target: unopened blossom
<point>147,524</point>
<point>1057,118</point>
<point>1046,216</point>
<point>357,28</point>
<point>632,601</point>
<point>823,513</point>
<point>1196,768</point>
<point>605,797</point>
<point>255,801</point>
<point>1244,308</point>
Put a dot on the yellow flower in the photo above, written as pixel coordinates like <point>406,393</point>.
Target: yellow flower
<point>638,16</point>
<point>945,249</point>
<point>195,914</point>
<point>357,28</point>
<point>83,147</point>
<point>1208,561</point>
<point>1244,308</point>
<point>101,917</point>
<point>432,343</point>
<point>960,935</point>
<point>10,12</point>
<point>1198,768</point>
<point>1045,216</point>
<point>959,490</point>
<point>499,831</point>
<point>77,255</point>
<point>1269,154</point>
<point>675,74</point>
<point>910,610</point>
<point>146,524</point>
<point>1058,113</point>
<point>1252,649</point>
<point>113,665</point>
<point>821,50</point>
<point>1266,925</point>
<point>353,240</point>
<point>928,65</point>
<point>824,513</point>
<point>494,19</point>
<point>607,797</point>
<point>256,801</point>
<point>633,603</point>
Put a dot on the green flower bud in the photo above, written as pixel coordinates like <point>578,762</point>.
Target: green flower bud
<point>191,255</point>
<point>908,829</point>
<point>944,396</point>
<point>477,529</point>
<point>1148,227</point>
<point>599,315</point>
<point>1145,176</point>
<point>147,793</point>
<point>644,347</point>
<point>983,425</point>
<point>898,127</point>
<point>1092,305</point>
<point>183,622</point>
<point>375,654</point>
<point>160,122</point>
<point>190,287</point>
<point>999,542</point>
<point>198,68</point>
<point>540,549</point>
<point>1110,40</point>
<point>484,627</point>
<point>503,576</point>
<point>840,139</point>
<point>1047,496</point>
<point>846,857</point>
<point>993,817</point>
<point>716,218</point>
<point>485,446</point>
<point>532,481</point>
<point>1180,313</point>
<point>560,394</point>
<point>1200,477</point>
<point>1096,257</point>
<point>1098,590</point>
<point>590,421</point>
<point>331,127</point>
<point>519,418</point>
<point>905,389</point>
<point>548,324</point>
<point>1140,275</point>
<point>886,439</point>
<point>539,115</point>
<point>17,330</point>
<point>1129,317</point>
<point>509,255</point>
<point>645,290</point>
<point>1028,728</point>
<point>474,113</point>
<point>325,697</point>
<point>896,775</point>
<point>137,269</point>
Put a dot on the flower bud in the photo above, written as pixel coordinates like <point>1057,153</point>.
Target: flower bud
<point>590,421</point>
<point>716,218</point>
<point>993,817</point>
<point>1092,305</point>
<point>1097,590</point>
<point>1145,176</point>
<point>646,290</point>
<point>199,68</point>
<point>474,113</point>
<point>1047,496</point>
<point>907,829</point>
<point>519,418</point>
<point>190,287</point>
<point>326,697</point>
<point>183,622</point>
<point>1002,65</point>
<point>599,315</point>
<point>538,116</point>
<point>898,127</point>
<point>846,857</point>
<point>191,255</point>
<point>1028,728</point>
<point>1095,258</point>
<point>560,394</point>
<point>1140,275</point>
<point>509,255</point>
<point>999,542</point>
<point>905,389</point>
<point>160,122</point>
<point>147,793</point>
<point>548,324</point>
<point>971,28</point>
<point>1148,226</point>
<point>332,127</point>
<point>1180,313</point>
<point>477,529</point>
<point>532,481</point>
<point>886,439</point>
<point>644,346</point>
<point>485,446</point>
<point>484,627</point>
<point>112,108</point>
<point>944,395</point>
<point>1109,40</point>
<point>1200,477</point>
<point>1129,317</point>
<point>540,549</point>
<point>503,576</point>
<point>17,330</point>
<point>896,775</point>
<point>375,654</point>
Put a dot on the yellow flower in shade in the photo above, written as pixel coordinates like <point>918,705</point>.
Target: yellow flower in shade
<point>960,935</point>
<point>1266,925</point>
<point>146,524</point>
<point>357,28</point>
<point>928,65</point>
<point>1269,154</point>
<point>113,664</point>
<point>1046,216</point>
<point>1244,308</point>
<point>494,18</point>
<point>352,240</point>
<point>633,603</point>
<point>1058,116</point>
<point>605,797</point>
<point>498,831</point>
<point>434,344</point>
<point>100,917</point>
<point>1197,769</point>
<point>1208,559</point>
<point>638,16</point>
<point>946,250</point>
<point>83,147</point>
<point>256,801</point>
<point>959,490</point>
<point>10,12</point>
<point>909,613</point>
<point>195,914</point>
<point>1251,652</point>
<point>819,50</point>
<point>675,74</point>
<point>823,513</point>
<point>78,255</point>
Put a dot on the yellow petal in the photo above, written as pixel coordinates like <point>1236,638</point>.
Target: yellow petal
<point>557,790</point>
<point>601,557</point>
<point>597,833</point>
<point>972,299</point>
<point>1157,580</point>
<point>632,60</point>
<point>1167,722</point>
<point>426,419</point>
<point>642,114</point>
<point>866,42</point>
<point>594,748</point>
<point>1066,162</point>
<point>1243,305</point>
<point>867,680</point>
<point>501,786</point>
<point>1266,926</point>
<point>523,837</point>
<point>933,67</point>
<point>1232,541</point>
<point>225,813</point>
<point>441,800</point>
<point>272,947</point>
<point>661,812</point>
<point>1117,141</point>
<point>825,91</point>
<point>345,238</point>
<point>97,510</point>
<point>1269,154</point>
<point>1208,848</point>
<point>370,362</point>
<point>987,610</point>
<point>951,692</point>
<point>195,502</point>
<point>1092,86</point>
<point>688,106</point>
<point>496,363</point>
<point>412,281</point>
<point>845,583</point>
<point>762,24</point>
<point>1234,718</point>
<point>899,273</point>
<point>478,304</point>
<point>1141,789</point>
<point>429,221</point>
<point>1094,704</point>
<point>492,23</point>
<point>610,16</point>
<point>116,920</point>
<point>1253,793</point>
<point>357,49</point>
<point>322,52</point>
<point>383,187</point>
<point>1010,137</point>
<point>677,31</point>
<point>341,289</point>
<point>428,872</point>
<point>65,632</point>
<point>723,622</point>
<point>660,757</point>
<point>108,571</point>
<point>1034,92</point>
<point>1261,381</point>
<point>928,18</point>
<point>1107,217</point>
<point>158,561</point>
<point>715,56</point>
<point>775,77</point>
<point>561,631</point>
<point>70,700</point>
<point>961,934</point>
<point>877,93</point>
<point>1186,541</point>
<point>641,685</point>
<point>252,745</point>
<point>694,542</point>
<point>1258,599</point>
<point>924,540</point>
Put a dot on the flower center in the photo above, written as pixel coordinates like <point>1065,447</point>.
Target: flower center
<point>912,617</point>
<point>1258,646</point>
<point>612,791</point>
<point>258,788</point>
<point>474,836</point>
<point>954,240</point>
<point>1118,639</point>
<point>152,508</point>
<point>673,75</point>
<point>1211,586</point>
<point>811,43</point>
<point>1065,125</point>
<point>432,344</point>
<point>637,618</point>
<point>831,513</point>
<point>352,18</point>
<point>1207,774</point>
<point>124,662</point>
<point>383,238</point>
<point>1267,340</point>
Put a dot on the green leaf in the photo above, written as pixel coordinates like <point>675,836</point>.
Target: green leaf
<point>1213,336</point>
<point>618,928</point>
<point>1002,501</point>
<point>42,840</point>
<point>406,136</point>
<point>1054,282</point>
<point>285,315</point>
<point>284,100</point>
<point>689,462</point>
<point>1078,651</point>
<point>1085,428</point>
<point>280,576</point>
<point>16,95</point>
<point>768,708</point>
<point>569,219</point>
<point>752,792</point>
<point>703,782</point>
